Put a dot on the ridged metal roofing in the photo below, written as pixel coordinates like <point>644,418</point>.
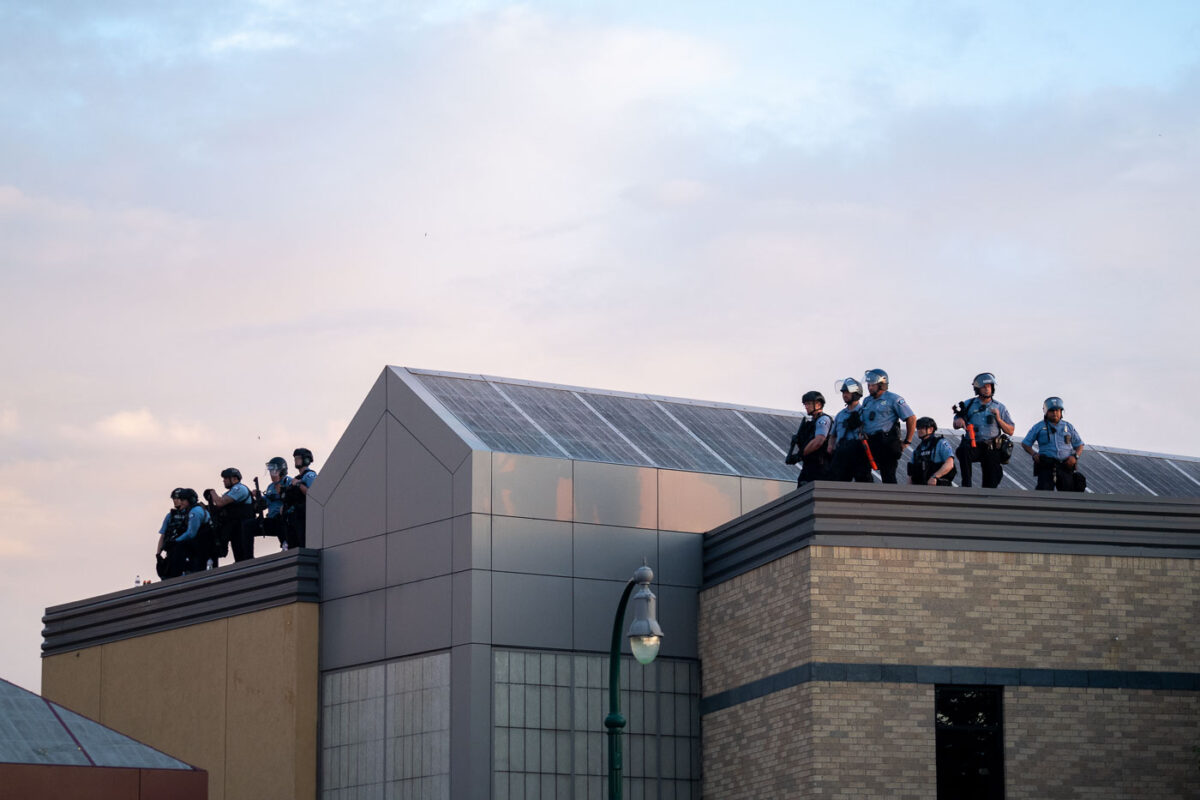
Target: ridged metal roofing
<point>541,419</point>
<point>34,730</point>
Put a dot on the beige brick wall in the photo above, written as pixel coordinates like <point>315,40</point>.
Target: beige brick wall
<point>756,624</point>
<point>824,740</point>
<point>876,605</point>
<point>1004,609</point>
<point>1100,744</point>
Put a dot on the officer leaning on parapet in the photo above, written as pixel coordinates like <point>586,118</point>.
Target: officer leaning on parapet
<point>1059,447</point>
<point>882,412</point>
<point>984,419</point>
<point>170,554</point>
<point>808,445</point>
<point>932,461</point>
<point>235,512</point>
<point>295,495</point>
<point>276,522</point>
<point>851,457</point>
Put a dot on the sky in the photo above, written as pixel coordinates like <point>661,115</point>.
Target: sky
<point>219,221</point>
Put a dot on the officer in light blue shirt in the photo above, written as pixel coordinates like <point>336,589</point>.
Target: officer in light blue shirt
<point>194,548</point>
<point>275,523</point>
<point>882,412</point>
<point>983,418</point>
<point>933,461</point>
<point>296,495</point>
<point>236,509</point>
<point>1059,447</point>
<point>846,444</point>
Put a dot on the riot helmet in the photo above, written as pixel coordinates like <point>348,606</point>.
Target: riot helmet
<point>813,397</point>
<point>1052,404</point>
<point>189,496</point>
<point>875,376</point>
<point>926,422</point>
<point>304,454</point>
<point>277,464</point>
<point>849,385</point>
<point>231,472</point>
<point>981,380</point>
<point>177,494</point>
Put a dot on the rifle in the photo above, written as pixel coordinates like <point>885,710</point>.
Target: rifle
<point>258,508</point>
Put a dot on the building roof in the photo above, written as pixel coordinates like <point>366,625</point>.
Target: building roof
<point>543,419</point>
<point>34,730</point>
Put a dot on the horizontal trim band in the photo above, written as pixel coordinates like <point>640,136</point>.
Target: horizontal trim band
<point>986,676</point>
<point>291,576</point>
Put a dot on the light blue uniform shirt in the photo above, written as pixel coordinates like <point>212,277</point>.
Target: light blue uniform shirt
<point>196,517</point>
<point>839,424</point>
<point>880,414</point>
<point>307,477</point>
<point>274,496</point>
<point>166,521</point>
<point>824,426</point>
<point>239,493</point>
<point>1056,440</point>
<point>941,452</point>
<point>981,416</point>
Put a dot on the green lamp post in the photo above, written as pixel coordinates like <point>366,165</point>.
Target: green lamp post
<point>645,636</point>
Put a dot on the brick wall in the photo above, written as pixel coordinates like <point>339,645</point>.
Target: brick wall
<point>1100,744</point>
<point>1004,609</point>
<point>771,603</point>
<point>849,740</point>
<point>950,608</point>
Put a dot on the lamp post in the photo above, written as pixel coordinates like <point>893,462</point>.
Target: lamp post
<point>645,636</point>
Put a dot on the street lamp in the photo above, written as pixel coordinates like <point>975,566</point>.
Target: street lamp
<point>645,636</point>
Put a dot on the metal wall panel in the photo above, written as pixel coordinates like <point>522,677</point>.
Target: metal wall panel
<point>354,511</point>
<point>472,547</point>
<point>353,568</point>
<point>423,422</point>
<point>595,607</point>
<point>419,488</point>
<point>611,553</point>
<point>418,617</point>
<point>758,491</point>
<point>471,607</point>
<point>690,501</point>
<point>612,494</point>
<point>528,486</point>
<point>680,559</point>
<point>531,545</point>
<point>352,630</point>
<point>473,484</point>
<point>531,611</point>
<point>420,553</point>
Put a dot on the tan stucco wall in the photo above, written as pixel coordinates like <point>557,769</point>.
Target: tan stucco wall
<point>236,696</point>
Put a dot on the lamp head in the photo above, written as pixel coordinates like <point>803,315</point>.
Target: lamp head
<point>645,635</point>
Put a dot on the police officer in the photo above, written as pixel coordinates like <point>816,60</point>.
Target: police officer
<point>808,445</point>
<point>987,418</point>
<point>882,413</point>
<point>1059,446</point>
<point>276,522</point>
<point>846,444</point>
<point>236,513</point>
<point>195,539</point>
<point>170,553</point>
<point>296,493</point>
<point>932,462</point>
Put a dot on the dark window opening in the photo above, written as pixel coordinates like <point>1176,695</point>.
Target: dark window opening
<point>970,742</point>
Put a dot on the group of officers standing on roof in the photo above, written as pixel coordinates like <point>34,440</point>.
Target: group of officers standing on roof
<point>195,536</point>
<point>871,433</point>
